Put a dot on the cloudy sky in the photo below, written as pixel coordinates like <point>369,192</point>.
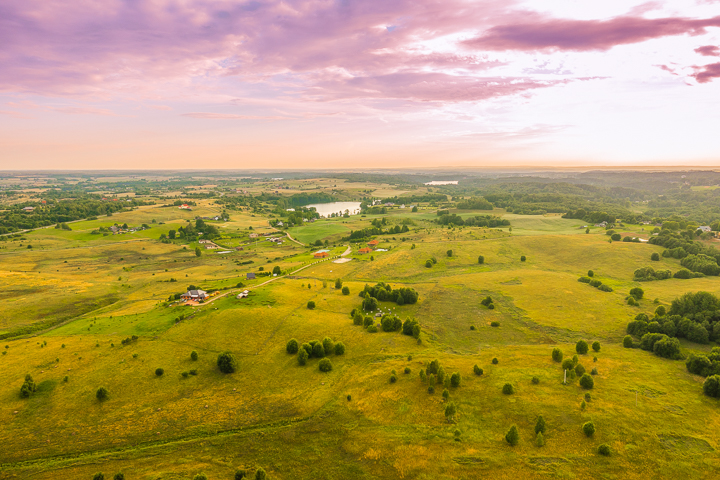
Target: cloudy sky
<point>358,83</point>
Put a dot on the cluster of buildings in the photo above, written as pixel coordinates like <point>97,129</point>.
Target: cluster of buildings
<point>371,245</point>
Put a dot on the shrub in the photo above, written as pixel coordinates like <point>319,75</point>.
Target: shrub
<point>595,283</point>
<point>260,474</point>
<point>325,365</point>
<point>159,372</point>
<point>349,397</point>
<point>481,259</point>
<point>450,410</point>
<point>328,345</point>
<point>455,380</point>
<point>477,370</point>
<point>604,448</point>
<point>431,389</point>
<point>486,301</point>
<point>201,476</point>
<point>449,253</point>
<point>575,359</point>
<point>683,274</point>
<point>193,355</point>
<point>446,394</point>
<point>407,370</point>
<point>372,329</point>
<point>540,425</point>
<point>579,370</point>
<point>605,288</point>
<point>495,361</point>
<point>594,371</point>
<point>428,264</point>
<point>539,440</point>
<point>339,348</point>
<point>98,476</point>
<point>584,279</point>
<point>357,318</point>
<point>655,257</point>
<point>535,380</point>
<point>102,394</point>
<point>318,350</point>
<point>522,258</point>
<point>628,341</point>
<point>393,378</point>
<point>345,291</point>
<point>660,311</point>
<point>588,428</point>
<point>185,374</point>
<point>28,387</point>
<point>472,327</point>
<point>307,347</point>
<point>557,354</point>
<point>302,356</point>
<point>586,381</point>
<point>226,362</point>
<point>590,273</point>
<point>292,346</point>
<point>338,284</point>
<point>711,386</point>
<point>512,437</point>
<point>508,389</point>
<point>494,324</point>
<point>594,359</point>
<point>492,307</point>
<point>667,348</point>
<point>637,292</point>
<point>587,397</point>
<point>631,301</point>
<point>583,405</point>
<point>615,237</point>
<point>193,372</point>
<point>311,305</point>
<point>581,347</point>
<point>568,364</point>
<point>121,476</point>
<point>367,321</point>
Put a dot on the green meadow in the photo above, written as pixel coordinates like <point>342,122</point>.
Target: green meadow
<point>78,295</point>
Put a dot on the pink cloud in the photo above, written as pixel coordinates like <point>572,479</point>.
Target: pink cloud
<point>707,73</point>
<point>536,32</point>
<point>709,51</point>
<point>228,116</point>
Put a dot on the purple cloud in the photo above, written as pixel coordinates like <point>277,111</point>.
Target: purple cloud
<point>707,73</point>
<point>709,51</point>
<point>540,33</point>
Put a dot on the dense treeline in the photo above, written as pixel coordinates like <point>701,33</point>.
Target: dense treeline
<point>384,292</point>
<point>693,255</point>
<point>476,221</point>
<point>475,203</point>
<point>427,198</point>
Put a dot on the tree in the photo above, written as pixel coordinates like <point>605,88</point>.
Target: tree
<point>522,259</point>
<point>339,348</point>
<point>495,361</point>
<point>433,367</point>
<point>450,411</point>
<point>338,284</point>
<point>660,311</point>
<point>508,389</point>
<point>345,291</point>
<point>200,476</point>
<point>540,425</point>
<point>581,347</point>
<point>604,449</point>
<point>588,428</point>
<point>99,476</point>
<point>325,365</point>
<point>292,346</point>
<point>198,252</point>
<point>637,293</point>
<point>512,437</point>
<point>449,253</point>
<point>119,476</point>
<point>711,386</point>
<point>428,264</point>
<point>540,438</point>
<point>455,380</point>
<point>302,356</point>
<point>276,270</point>
<point>586,381</point>
<point>568,364</point>
<point>579,369</point>
<point>628,341</point>
<point>226,362</point>
<point>441,375</point>
<point>318,350</point>
<point>591,273</point>
<point>477,370</point>
<point>596,346</point>
<point>557,354</point>
<point>193,355</point>
<point>481,259</point>
<point>159,372</point>
<point>260,474</point>
<point>328,345</point>
<point>101,394</point>
<point>655,257</point>
<point>311,305</point>
<point>28,387</point>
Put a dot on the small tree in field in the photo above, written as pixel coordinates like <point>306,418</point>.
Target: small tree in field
<point>540,440</point>
<point>119,476</point>
<point>449,253</point>
<point>325,365</point>
<point>588,428</point>
<point>596,346</point>
<point>260,474</point>
<point>628,341</point>
<point>455,380</point>
<point>339,348</point>
<point>159,372</point>
<point>481,259</point>
<point>202,476</point>
<point>512,437</point>
<point>508,389</point>
<point>581,347</point>
<point>338,284</point>
<point>450,411</point>
<point>226,362</point>
<point>98,476</point>
<point>302,356</point>
<point>557,355</point>
<point>193,355</point>
<point>345,291</point>
<point>604,449</point>
<point>540,425</point>
<point>311,305</point>
<point>102,394</point>
<point>477,370</point>
<point>292,346</point>
<point>655,257</point>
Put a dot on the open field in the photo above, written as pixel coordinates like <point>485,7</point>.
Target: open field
<point>79,295</point>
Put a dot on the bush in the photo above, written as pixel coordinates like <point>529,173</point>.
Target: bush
<point>339,348</point>
<point>494,324</point>
<point>557,355</point>
<point>102,394</point>
<point>260,474</point>
<point>292,346</point>
<point>655,257</point>
<point>328,345</point>
<point>586,381</point>
<point>193,355</point>
<point>311,305</point>
<point>201,476</point>
<point>535,380</point>
<point>492,307</point>
<point>508,389</point>
<point>637,293</point>
<point>495,361</point>
<point>595,283</point>
<point>604,448</point>
<point>193,372</point>
<point>568,364</point>
<point>226,362</point>
<point>477,370</point>
<point>588,428</point>
<point>579,370</point>
<point>481,259</point>
<point>428,264</point>
<point>711,386</point>
<point>159,372</point>
<point>660,311</point>
<point>512,437</point>
<point>98,476</point>
<point>345,291</point>
<point>407,370</point>
<point>540,425</point>
<point>615,237</point>
<point>325,365</point>
<point>540,440</point>
<point>318,351</point>
<point>393,379</point>
<point>581,347</point>
<point>584,279</point>
<point>683,274</point>
<point>628,341</point>
<point>431,389</point>
<point>590,273</point>
<point>472,327</point>
<point>302,356</point>
<point>522,258</point>
<point>587,397</point>
<point>594,371</point>
<point>596,346</point>
<point>455,380</point>
<point>372,329</point>
<point>185,374</point>
<point>338,284</point>
<point>449,253</point>
<point>605,288</point>
<point>119,476</point>
<point>631,301</point>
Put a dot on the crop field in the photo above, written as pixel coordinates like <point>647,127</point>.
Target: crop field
<point>84,310</point>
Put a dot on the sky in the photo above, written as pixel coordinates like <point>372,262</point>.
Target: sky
<point>319,84</point>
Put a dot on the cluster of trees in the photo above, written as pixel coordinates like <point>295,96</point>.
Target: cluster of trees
<point>512,437</point>
<point>574,369</point>
<point>384,292</point>
<point>434,374</point>
<point>593,282</point>
<point>648,274</point>
<point>315,349</point>
<point>358,235</point>
<point>476,221</point>
<point>475,203</point>
<point>28,387</point>
<point>693,255</point>
<point>388,323</point>
<point>704,365</point>
<point>427,198</point>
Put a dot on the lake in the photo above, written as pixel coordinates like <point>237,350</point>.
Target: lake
<point>326,209</point>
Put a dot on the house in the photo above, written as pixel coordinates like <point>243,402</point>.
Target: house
<point>373,243</point>
<point>195,295</point>
<point>243,294</point>
<point>705,229</point>
<point>365,250</point>
<point>204,241</point>
<point>321,254</point>
<point>251,276</point>
<point>601,224</point>
<point>184,206</point>
<point>253,235</point>
<point>28,209</point>
<point>239,249</point>
<point>279,224</point>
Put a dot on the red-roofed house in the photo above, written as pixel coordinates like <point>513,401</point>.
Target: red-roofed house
<point>365,250</point>
<point>373,243</point>
<point>321,254</point>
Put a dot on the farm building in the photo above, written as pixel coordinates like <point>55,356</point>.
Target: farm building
<point>195,295</point>
<point>373,243</point>
<point>251,276</point>
<point>365,250</point>
<point>321,254</point>
<point>243,294</point>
